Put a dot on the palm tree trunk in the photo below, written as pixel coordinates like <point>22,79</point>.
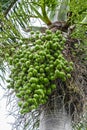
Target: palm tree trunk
<point>57,121</point>
<point>55,117</point>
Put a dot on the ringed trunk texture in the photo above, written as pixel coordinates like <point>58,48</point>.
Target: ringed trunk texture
<point>55,117</point>
<point>58,121</point>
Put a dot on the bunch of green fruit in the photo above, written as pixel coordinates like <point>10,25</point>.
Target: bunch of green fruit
<point>36,66</point>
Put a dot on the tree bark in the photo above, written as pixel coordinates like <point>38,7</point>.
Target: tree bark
<point>57,121</point>
<point>55,117</point>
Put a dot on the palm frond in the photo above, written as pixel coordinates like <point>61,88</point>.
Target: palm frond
<point>2,72</point>
<point>84,21</point>
<point>7,5</point>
